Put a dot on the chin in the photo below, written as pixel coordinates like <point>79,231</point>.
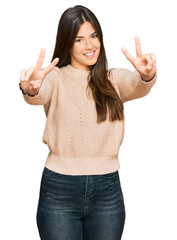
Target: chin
<point>91,63</point>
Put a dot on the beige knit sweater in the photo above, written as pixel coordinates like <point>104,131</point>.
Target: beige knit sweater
<point>78,144</point>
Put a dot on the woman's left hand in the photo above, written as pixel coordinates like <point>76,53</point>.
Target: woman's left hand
<point>145,64</point>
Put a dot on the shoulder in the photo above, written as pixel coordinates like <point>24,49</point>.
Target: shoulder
<point>54,75</point>
<point>115,75</point>
<point>117,72</point>
<point>57,71</point>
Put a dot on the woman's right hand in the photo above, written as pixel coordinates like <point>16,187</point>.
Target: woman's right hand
<point>31,79</point>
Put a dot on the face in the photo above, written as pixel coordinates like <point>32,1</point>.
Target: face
<point>86,48</point>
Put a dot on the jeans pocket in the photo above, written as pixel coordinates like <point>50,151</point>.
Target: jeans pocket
<point>110,175</point>
<point>49,196</point>
<point>51,174</point>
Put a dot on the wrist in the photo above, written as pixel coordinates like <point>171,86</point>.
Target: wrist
<point>147,78</point>
<point>25,93</point>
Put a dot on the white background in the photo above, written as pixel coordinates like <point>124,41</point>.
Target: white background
<point>148,155</point>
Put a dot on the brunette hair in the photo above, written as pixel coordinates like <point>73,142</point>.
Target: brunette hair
<point>105,97</point>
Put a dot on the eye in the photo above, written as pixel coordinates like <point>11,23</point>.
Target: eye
<point>78,40</point>
<point>94,36</point>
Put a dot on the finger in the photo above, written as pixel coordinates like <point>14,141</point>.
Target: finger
<point>128,55</point>
<point>149,60</point>
<point>138,46</point>
<point>51,66</point>
<point>40,59</point>
<point>35,82</point>
<point>28,73</point>
<point>153,57</point>
<point>23,72</point>
<point>154,68</point>
<point>35,85</point>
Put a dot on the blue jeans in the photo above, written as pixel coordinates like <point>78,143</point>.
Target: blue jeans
<point>80,207</point>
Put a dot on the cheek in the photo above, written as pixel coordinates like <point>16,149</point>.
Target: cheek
<point>78,49</point>
<point>75,51</point>
<point>98,45</point>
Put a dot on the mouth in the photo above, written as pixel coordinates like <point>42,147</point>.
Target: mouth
<point>90,54</point>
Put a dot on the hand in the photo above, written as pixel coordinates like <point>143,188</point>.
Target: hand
<point>144,64</point>
<point>31,79</point>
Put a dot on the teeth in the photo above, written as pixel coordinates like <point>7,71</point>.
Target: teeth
<point>89,54</point>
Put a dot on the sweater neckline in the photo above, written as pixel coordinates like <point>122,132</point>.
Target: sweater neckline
<point>77,72</point>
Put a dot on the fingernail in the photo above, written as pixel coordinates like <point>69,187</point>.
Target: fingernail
<point>26,78</point>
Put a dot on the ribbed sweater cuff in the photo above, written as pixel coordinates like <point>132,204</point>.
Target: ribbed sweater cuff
<point>151,82</point>
<point>38,99</point>
<point>46,90</point>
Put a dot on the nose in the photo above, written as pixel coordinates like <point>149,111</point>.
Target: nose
<point>88,44</point>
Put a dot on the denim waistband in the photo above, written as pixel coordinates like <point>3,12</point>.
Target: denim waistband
<point>52,173</point>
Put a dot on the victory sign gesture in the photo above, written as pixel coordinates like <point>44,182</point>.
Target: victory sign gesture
<point>145,64</point>
<point>31,79</point>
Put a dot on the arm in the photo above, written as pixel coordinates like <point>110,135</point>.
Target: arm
<point>39,83</point>
<point>130,84</point>
<point>45,92</point>
<point>136,84</point>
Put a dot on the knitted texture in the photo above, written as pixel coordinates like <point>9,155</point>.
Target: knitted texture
<point>78,144</point>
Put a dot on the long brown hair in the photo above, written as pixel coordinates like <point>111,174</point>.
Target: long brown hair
<point>105,97</point>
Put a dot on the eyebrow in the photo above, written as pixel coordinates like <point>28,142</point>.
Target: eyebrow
<point>83,37</point>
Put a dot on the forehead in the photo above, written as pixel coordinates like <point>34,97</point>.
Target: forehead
<point>86,29</point>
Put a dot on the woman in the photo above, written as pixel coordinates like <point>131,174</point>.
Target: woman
<point>81,195</point>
